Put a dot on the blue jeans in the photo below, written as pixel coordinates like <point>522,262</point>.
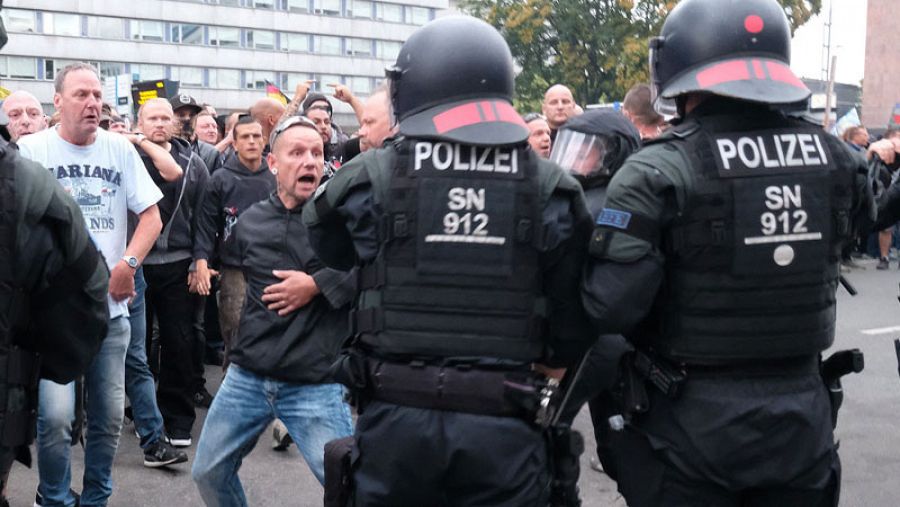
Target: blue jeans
<point>105,398</point>
<point>242,409</point>
<point>139,383</point>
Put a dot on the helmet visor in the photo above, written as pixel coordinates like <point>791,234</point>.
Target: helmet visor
<point>580,153</point>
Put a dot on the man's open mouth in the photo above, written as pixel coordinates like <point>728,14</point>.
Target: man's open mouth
<point>307,178</point>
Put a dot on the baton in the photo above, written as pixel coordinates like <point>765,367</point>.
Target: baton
<point>847,285</point>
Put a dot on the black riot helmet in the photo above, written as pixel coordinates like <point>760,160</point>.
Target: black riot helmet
<point>732,48</point>
<point>594,145</point>
<point>454,80</point>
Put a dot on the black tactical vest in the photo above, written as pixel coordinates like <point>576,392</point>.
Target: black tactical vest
<point>457,271</point>
<point>752,262</point>
<point>18,367</point>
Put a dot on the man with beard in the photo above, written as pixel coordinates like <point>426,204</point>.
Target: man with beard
<point>186,109</point>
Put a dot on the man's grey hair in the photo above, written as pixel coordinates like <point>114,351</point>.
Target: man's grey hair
<point>61,75</point>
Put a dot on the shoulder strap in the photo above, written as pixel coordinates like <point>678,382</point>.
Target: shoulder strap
<point>163,240</point>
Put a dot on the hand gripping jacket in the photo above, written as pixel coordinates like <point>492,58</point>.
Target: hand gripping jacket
<point>18,367</point>
<point>752,261</point>
<point>457,272</point>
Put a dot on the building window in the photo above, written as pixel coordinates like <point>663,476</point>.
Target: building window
<point>227,3</point>
<point>291,80</point>
<point>295,42</point>
<point>183,33</point>
<point>111,69</point>
<point>188,76</point>
<point>256,79</point>
<point>17,20</point>
<point>146,72</point>
<point>225,37</point>
<point>387,50</point>
<point>298,5</point>
<point>147,30</point>
<point>260,39</point>
<point>389,12</point>
<point>226,79</point>
<point>22,67</point>
<point>264,4</point>
<point>52,67</point>
<point>105,28</point>
<point>57,23</point>
<point>360,8</point>
<point>417,15</point>
<point>327,7</point>
<point>359,47</point>
<point>327,45</point>
<point>325,80</point>
<point>360,85</point>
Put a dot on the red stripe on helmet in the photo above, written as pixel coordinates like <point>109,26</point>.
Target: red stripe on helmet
<point>734,70</point>
<point>458,117</point>
<point>781,72</point>
<point>476,112</point>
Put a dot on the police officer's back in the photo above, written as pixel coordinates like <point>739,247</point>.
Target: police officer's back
<point>717,257</point>
<point>469,253</point>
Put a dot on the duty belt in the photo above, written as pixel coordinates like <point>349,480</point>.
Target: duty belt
<point>455,388</point>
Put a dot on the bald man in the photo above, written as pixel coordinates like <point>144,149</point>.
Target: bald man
<point>558,106</point>
<point>25,115</point>
<point>267,112</point>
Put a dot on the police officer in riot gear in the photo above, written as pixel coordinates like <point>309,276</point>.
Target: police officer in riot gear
<point>52,296</point>
<point>469,253</point>
<point>592,147</point>
<point>717,257</point>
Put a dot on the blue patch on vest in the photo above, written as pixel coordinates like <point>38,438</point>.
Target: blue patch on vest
<point>614,218</point>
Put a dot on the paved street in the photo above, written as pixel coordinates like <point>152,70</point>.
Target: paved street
<point>870,437</point>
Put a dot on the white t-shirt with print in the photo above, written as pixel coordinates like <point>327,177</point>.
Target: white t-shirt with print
<point>106,178</point>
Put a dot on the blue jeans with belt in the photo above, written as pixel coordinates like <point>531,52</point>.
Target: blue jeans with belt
<point>244,406</point>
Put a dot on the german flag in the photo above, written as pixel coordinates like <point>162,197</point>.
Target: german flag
<point>275,92</point>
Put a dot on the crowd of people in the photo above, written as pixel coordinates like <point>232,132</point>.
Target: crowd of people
<point>210,262</point>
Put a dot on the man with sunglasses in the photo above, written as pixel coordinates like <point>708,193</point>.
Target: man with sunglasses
<point>291,328</point>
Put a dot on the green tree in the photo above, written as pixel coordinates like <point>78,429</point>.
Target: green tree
<point>598,48</point>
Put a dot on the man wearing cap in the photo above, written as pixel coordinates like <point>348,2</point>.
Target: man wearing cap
<point>716,256</point>
<point>470,250</point>
<point>186,109</point>
<point>292,326</point>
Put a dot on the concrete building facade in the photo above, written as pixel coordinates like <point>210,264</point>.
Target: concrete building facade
<point>221,51</point>
<point>881,84</point>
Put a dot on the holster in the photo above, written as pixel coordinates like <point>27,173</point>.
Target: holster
<point>339,472</point>
<point>832,369</point>
<point>566,447</point>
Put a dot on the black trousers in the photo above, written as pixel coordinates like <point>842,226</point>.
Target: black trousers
<point>173,304</point>
<point>411,457</point>
<point>732,442</point>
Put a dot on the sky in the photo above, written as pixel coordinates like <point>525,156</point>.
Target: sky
<point>848,42</point>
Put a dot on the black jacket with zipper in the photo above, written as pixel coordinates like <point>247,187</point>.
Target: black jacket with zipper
<point>301,346</point>
<point>231,191</point>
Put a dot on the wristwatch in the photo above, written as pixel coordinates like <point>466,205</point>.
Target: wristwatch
<point>140,138</point>
<point>131,261</point>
